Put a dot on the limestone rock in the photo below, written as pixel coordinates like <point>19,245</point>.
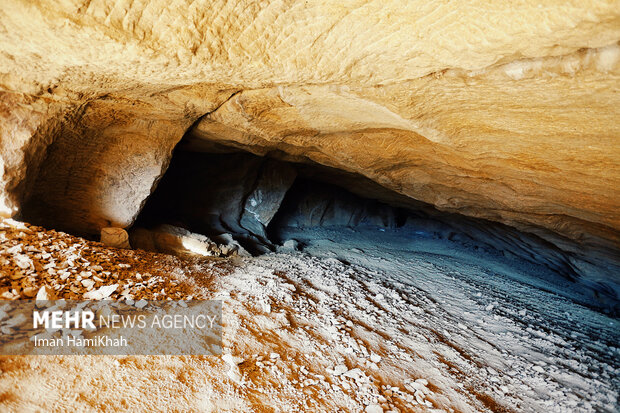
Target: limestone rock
<point>262,204</point>
<point>101,293</point>
<point>373,408</point>
<point>495,123</point>
<point>205,191</point>
<point>237,194</point>
<point>174,240</point>
<point>503,112</point>
<point>526,171</point>
<point>310,204</point>
<point>229,246</point>
<point>44,294</point>
<point>115,237</point>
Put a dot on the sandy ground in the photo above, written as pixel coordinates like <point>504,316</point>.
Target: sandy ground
<point>358,321</point>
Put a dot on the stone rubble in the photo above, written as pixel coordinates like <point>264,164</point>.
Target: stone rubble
<point>40,264</point>
<point>169,239</point>
<point>302,333</point>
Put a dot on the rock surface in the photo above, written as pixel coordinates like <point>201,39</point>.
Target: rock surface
<point>115,237</point>
<point>177,241</point>
<point>312,204</point>
<point>311,333</point>
<point>219,194</point>
<point>505,112</point>
<point>261,205</point>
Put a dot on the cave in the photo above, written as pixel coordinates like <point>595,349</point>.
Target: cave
<point>255,204</point>
<point>251,198</point>
<point>306,206</point>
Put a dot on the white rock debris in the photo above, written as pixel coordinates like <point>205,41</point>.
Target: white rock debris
<point>360,326</point>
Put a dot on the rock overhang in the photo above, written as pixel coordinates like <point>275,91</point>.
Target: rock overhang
<point>507,113</point>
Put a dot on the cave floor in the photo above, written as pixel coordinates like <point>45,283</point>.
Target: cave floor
<point>348,324</point>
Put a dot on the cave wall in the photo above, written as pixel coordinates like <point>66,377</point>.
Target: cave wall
<point>256,201</point>
<point>98,172</point>
<point>27,126</point>
<point>504,111</point>
<point>316,204</point>
<point>531,164</point>
<point>83,162</point>
<point>220,195</point>
<point>261,205</point>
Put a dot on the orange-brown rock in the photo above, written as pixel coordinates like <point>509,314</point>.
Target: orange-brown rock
<point>505,111</point>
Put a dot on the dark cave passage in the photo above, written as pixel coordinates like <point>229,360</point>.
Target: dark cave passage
<point>251,199</point>
<point>248,198</point>
<point>223,201</point>
<point>249,202</point>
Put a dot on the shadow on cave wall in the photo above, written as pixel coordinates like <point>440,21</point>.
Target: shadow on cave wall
<point>239,194</point>
<point>251,198</point>
<point>238,198</point>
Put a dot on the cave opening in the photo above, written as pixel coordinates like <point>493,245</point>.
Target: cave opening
<point>239,197</point>
<point>254,204</point>
<point>247,204</point>
<point>220,200</point>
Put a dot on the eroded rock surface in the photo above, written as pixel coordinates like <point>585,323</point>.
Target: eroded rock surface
<point>263,203</point>
<point>115,237</point>
<point>221,195</point>
<point>178,241</point>
<point>537,152</point>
